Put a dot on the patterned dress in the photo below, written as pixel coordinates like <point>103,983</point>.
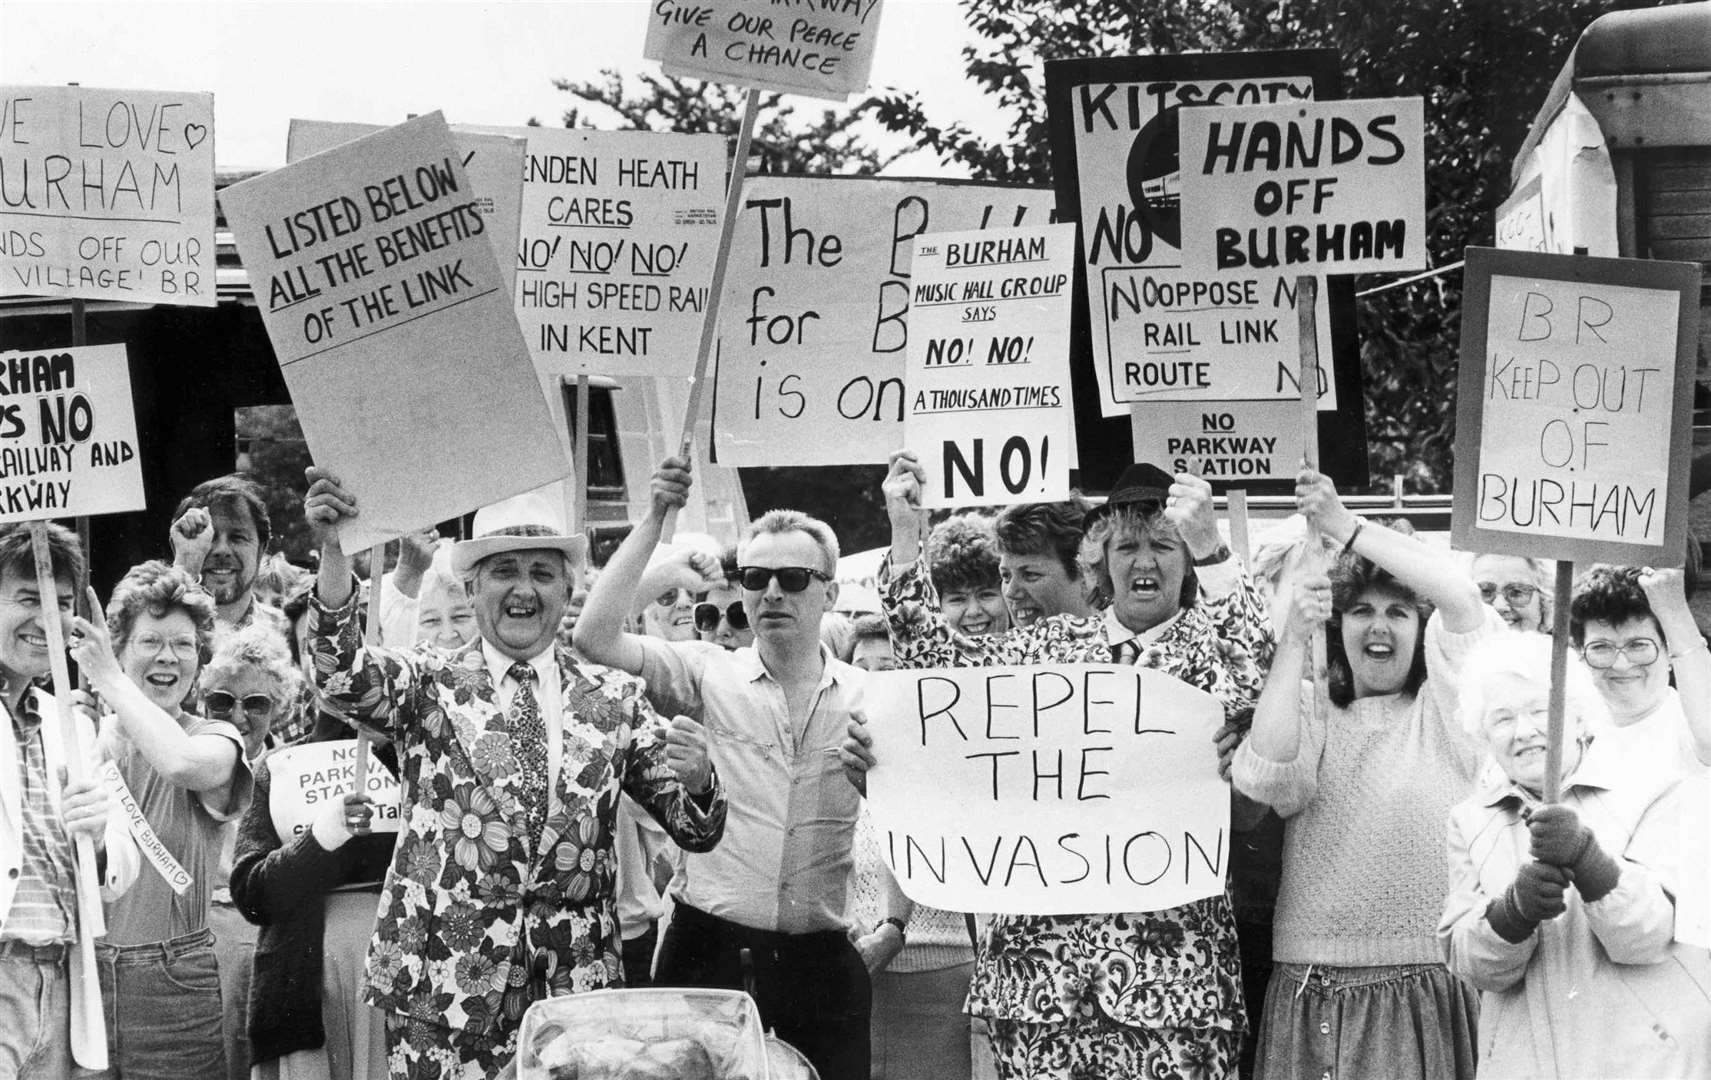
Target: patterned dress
<point>479,915</point>
<point>1156,993</point>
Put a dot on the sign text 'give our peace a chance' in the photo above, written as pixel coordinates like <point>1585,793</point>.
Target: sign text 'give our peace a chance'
<point>1048,790</point>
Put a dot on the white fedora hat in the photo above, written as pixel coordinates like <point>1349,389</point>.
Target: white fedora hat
<point>532,521</point>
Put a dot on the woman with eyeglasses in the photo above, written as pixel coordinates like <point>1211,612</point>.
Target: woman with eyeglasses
<point>1364,775</point>
<point>1517,587</point>
<point>720,617</point>
<point>1565,915</point>
<point>189,776</point>
<point>1633,628</point>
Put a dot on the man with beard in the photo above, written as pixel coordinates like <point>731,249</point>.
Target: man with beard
<point>220,534</point>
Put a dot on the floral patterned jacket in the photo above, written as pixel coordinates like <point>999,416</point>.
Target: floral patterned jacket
<point>473,918</point>
<point>1176,968</point>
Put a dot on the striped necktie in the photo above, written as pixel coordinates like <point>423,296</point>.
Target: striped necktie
<point>529,741</point>
<point>1125,652</point>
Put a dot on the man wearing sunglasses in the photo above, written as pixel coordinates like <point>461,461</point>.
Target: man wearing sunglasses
<point>775,714</point>
<point>512,756</point>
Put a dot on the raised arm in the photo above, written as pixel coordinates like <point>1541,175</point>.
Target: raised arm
<point>1666,591</point>
<point>1227,594</point>
<point>602,632</point>
<point>1278,763</point>
<point>205,764</point>
<point>1425,571</point>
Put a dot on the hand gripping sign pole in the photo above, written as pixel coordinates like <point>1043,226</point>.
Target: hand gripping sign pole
<point>90,1052</point>
<point>710,319</point>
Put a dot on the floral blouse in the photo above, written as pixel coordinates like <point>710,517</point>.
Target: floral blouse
<point>1176,968</point>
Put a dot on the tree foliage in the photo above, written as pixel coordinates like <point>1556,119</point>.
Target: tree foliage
<point>1483,67</point>
<point>829,144</point>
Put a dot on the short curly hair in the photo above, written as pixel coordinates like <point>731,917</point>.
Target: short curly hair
<point>1135,518</point>
<point>154,588</point>
<point>1053,528</point>
<point>1351,575</point>
<point>962,554</point>
<point>256,646</point>
<point>1609,594</point>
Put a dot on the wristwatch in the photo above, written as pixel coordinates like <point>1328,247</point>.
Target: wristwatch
<point>1219,554</point>
<point>902,928</point>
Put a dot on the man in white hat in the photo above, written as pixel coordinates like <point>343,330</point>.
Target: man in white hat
<point>512,757</point>
<point>777,885</point>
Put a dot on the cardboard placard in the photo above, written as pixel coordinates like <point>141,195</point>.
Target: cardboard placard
<point>1521,220</point>
<point>1305,187</point>
<point>109,194</point>
<point>306,776</point>
<point>68,434</point>
<point>989,400</point>
<point>388,314</point>
<point>1230,443</point>
<point>823,50</point>
<point>1160,332</point>
<point>619,234</point>
<point>1048,790</point>
<point>494,164</point>
<point>1574,407</point>
<point>814,321</point>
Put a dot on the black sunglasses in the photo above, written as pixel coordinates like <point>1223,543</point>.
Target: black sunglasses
<point>707,616</point>
<point>220,704</point>
<point>790,578</point>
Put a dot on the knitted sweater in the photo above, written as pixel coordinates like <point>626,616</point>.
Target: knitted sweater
<point>937,939</point>
<point>1365,805</point>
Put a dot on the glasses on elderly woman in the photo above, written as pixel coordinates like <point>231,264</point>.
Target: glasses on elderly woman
<point>1514,595</point>
<point>220,704</point>
<point>150,643</point>
<point>707,616</point>
<point>1602,654</point>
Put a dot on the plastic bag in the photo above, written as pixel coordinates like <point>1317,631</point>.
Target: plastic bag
<point>653,1034</point>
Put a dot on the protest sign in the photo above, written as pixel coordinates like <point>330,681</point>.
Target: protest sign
<point>823,49</point>
<point>1224,443</point>
<point>1521,220</point>
<point>68,434</point>
<point>305,777</point>
<point>1160,332</point>
<point>1574,407</point>
<point>108,194</point>
<point>619,234</point>
<point>989,400</point>
<point>814,321</point>
<point>389,318</point>
<point>1305,187</point>
<point>493,163</point>
<point>1048,790</point>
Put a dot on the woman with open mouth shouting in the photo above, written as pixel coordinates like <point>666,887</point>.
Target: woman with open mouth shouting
<point>189,777</point>
<point>1364,778</point>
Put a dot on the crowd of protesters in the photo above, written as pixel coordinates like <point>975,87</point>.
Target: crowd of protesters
<point>654,774</point>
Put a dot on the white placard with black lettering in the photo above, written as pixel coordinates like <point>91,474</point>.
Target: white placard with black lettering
<point>306,777</point>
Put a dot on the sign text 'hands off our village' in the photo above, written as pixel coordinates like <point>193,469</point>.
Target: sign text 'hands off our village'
<point>1048,790</point>
<point>107,194</point>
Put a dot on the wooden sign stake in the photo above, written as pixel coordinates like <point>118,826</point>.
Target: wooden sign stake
<point>91,922</point>
<point>710,317</point>
<point>1238,502</point>
<point>1307,324</point>
<point>579,458</point>
<point>1559,680</point>
<point>376,573</point>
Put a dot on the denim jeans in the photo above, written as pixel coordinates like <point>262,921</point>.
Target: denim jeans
<point>163,1009</point>
<point>35,1014</point>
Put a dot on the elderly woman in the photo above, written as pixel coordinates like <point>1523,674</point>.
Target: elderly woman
<point>189,777</point>
<point>720,616</point>
<point>1074,995</point>
<point>1517,587</point>
<point>309,875</point>
<point>1563,915</point>
<point>962,557</point>
<point>1363,778</point>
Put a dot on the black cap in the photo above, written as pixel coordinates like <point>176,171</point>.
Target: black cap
<point>1141,482</point>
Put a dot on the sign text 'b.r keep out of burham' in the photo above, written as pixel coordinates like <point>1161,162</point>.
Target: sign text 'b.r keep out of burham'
<point>1048,790</point>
